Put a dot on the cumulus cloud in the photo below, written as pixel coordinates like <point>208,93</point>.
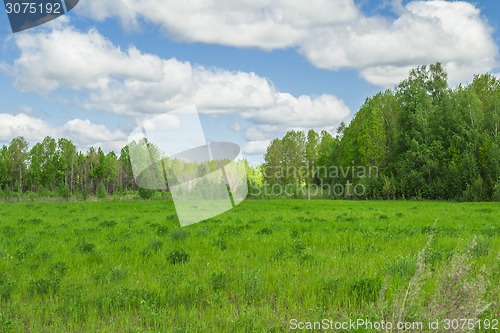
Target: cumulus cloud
<point>129,82</point>
<point>87,134</point>
<point>427,31</point>
<point>66,58</point>
<point>256,147</point>
<point>32,129</point>
<point>83,133</point>
<point>304,111</point>
<point>246,23</point>
<point>330,34</point>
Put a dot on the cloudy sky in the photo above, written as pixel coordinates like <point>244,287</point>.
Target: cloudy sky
<point>253,68</point>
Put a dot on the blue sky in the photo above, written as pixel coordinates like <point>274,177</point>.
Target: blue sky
<point>254,69</point>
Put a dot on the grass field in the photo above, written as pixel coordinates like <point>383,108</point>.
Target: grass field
<point>127,266</point>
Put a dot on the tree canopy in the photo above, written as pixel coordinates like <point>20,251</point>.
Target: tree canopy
<point>425,139</point>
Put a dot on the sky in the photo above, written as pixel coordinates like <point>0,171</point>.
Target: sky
<point>254,69</point>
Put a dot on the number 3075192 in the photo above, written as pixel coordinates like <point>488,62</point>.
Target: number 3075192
<point>33,8</point>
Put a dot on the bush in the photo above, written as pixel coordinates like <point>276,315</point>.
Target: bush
<point>496,193</point>
<point>63,191</point>
<point>7,194</point>
<point>145,193</point>
<point>101,191</point>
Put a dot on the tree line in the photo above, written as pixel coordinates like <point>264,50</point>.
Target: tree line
<point>57,168</point>
<point>422,140</point>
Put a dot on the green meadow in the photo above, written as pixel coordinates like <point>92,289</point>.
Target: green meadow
<point>127,266</point>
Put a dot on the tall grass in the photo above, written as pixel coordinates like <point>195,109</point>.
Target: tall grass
<point>121,266</point>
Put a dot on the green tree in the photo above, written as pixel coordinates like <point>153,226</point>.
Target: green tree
<point>5,166</point>
<point>68,158</point>
<point>18,154</point>
<point>327,156</point>
<point>311,155</point>
<point>126,176</point>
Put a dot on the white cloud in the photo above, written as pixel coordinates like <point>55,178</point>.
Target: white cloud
<point>134,83</point>
<point>256,147</point>
<point>385,76</point>
<point>87,134</point>
<point>83,133</point>
<point>69,59</point>
<point>304,111</point>
<point>330,34</point>
<point>260,132</point>
<point>254,23</point>
<point>427,31</point>
<point>32,129</point>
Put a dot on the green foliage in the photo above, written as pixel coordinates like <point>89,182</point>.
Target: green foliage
<point>85,247</point>
<point>101,191</point>
<point>178,257</point>
<point>145,193</point>
<point>496,195</point>
<point>63,191</point>
<point>427,140</point>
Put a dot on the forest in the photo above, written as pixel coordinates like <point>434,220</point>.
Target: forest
<point>420,140</point>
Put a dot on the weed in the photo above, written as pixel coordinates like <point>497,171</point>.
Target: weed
<point>6,287</point>
<point>59,268</point>
<point>265,231</point>
<point>220,243</point>
<point>402,266</point>
<point>480,248</point>
<point>179,234</point>
<point>178,257</point>
<point>218,281</point>
<point>117,273</point>
<point>161,230</point>
<point>458,293</point>
<point>44,286</point>
<point>108,224</point>
<point>85,247</point>
<point>154,247</point>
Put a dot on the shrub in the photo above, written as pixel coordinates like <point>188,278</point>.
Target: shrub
<point>63,191</point>
<point>145,193</point>
<point>496,193</point>
<point>101,191</point>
